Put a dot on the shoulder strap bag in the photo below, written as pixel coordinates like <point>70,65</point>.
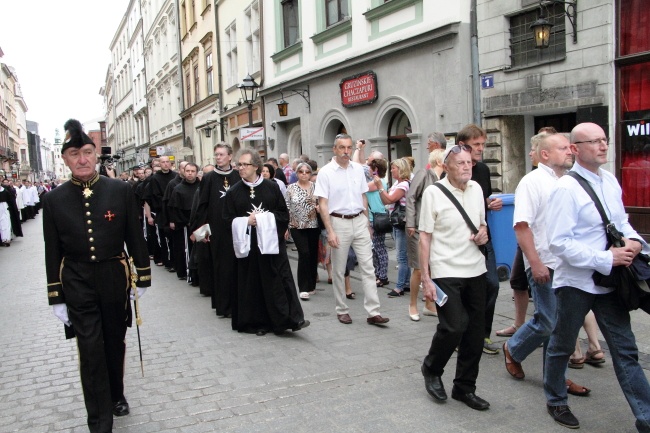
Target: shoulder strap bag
<point>622,278</point>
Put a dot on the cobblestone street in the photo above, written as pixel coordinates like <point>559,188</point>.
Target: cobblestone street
<point>200,376</point>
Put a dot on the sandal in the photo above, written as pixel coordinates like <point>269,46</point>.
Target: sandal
<point>351,295</point>
<point>595,361</point>
<point>382,282</point>
<point>575,389</point>
<point>507,331</point>
<point>577,362</point>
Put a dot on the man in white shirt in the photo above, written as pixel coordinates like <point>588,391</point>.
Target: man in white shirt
<point>343,208</point>
<point>576,236</point>
<point>554,159</point>
<point>450,255</point>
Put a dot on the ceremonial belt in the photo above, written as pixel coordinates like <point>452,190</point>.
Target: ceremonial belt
<point>345,217</point>
<point>86,259</point>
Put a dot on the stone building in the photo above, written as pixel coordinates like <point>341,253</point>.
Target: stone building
<point>390,72</point>
<point>591,72</point>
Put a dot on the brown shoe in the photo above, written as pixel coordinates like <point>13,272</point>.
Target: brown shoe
<point>377,320</point>
<point>345,319</point>
<point>514,368</point>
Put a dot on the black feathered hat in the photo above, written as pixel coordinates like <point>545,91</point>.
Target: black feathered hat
<point>75,135</point>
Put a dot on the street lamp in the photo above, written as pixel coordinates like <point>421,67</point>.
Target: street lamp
<point>542,27</point>
<point>248,89</point>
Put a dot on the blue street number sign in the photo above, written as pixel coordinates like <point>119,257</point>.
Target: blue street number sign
<point>487,81</point>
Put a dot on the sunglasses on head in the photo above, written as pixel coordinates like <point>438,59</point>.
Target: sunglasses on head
<point>456,149</point>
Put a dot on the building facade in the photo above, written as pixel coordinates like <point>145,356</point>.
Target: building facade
<point>389,72</point>
<point>201,106</point>
<point>239,30</point>
<point>163,85</point>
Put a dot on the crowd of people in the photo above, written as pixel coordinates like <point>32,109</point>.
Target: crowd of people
<point>224,228</point>
<point>20,201</point>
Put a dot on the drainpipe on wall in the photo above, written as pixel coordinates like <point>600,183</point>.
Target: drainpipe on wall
<point>180,69</point>
<point>262,99</point>
<point>476,89</point>
<point>219,68</point>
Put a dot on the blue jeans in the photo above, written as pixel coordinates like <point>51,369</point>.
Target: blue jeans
<point>492,292</point>
<point>614,322</point>
<point>538,329</point>
<point>403,271</point>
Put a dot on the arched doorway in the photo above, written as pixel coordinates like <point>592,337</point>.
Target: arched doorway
<point>235,146</point>
<point>294,142</point>
<point>399,144</point>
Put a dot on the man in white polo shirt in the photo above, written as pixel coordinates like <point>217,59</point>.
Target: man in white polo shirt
<point>457,266</point>
<point>343,208</point>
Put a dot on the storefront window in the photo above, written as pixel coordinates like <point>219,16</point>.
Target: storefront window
<point>635,125</point>
<point>634,27</point>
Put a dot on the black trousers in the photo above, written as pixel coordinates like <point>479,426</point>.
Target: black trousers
<point>518,278</point>
<point>179,240</point>
<point>461,323</point>
<point>306,241</point>
<point>166,246</point>
<point>100,311</point>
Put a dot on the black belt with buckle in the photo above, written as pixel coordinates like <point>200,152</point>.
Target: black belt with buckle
<point>345,217</point>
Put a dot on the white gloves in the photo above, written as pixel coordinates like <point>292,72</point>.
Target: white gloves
<point>61,312</point>
<point>141,291</point>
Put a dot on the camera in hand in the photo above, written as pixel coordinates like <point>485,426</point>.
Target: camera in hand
<point>107,160</point>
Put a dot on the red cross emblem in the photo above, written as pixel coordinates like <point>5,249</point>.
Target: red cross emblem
<point>109,216</point>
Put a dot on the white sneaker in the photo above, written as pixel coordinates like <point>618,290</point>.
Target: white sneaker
<point>304,296</point>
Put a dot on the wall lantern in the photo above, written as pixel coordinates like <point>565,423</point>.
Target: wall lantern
<point>208,132</point>
<point>283,106</point>
<point>542,27</point>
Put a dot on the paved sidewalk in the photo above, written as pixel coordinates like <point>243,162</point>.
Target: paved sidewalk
<point>200,376</point>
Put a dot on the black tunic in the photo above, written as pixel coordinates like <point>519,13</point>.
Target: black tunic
<point>86,226</point>
<point>179,206</point>
<point>212,192</point>
<point>267,299</point>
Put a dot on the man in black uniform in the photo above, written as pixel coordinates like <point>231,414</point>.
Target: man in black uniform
<point>177,250</point>
<point>179,209</point>
<point>86,222</point>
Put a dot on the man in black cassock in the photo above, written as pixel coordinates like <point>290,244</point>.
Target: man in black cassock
<point>267,299</point>
<point>86,223</point>
<point>179,209</point>
<point>14,213</point>
<point>153,195</point>
<point>212,192</point>
<point>200,267</point>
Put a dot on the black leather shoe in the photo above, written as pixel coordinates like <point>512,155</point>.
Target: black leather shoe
<point>470,399</point>
<point>121,408</point>
<point>302,325</point>
<point>563,416</point>
<point>433,385</point>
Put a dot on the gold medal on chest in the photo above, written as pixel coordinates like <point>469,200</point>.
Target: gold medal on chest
<point>87,192</point>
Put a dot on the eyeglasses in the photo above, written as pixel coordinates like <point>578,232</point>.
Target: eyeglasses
<point>304,172</point>
<point>595,141</point>
<point>243,164</point>
<point>456,149</point>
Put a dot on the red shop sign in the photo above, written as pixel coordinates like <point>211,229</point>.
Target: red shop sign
<point>359,89</point>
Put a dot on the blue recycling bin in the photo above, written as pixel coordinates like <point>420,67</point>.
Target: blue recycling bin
<point>504,240</point>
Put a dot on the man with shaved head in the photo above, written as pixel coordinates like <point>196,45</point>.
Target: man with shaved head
<point>576,236</point>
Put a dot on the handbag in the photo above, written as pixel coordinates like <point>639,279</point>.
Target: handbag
<point>630,282</point>
<point>398,216</point>
<point>468,221</point>
<point>381,222</point>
